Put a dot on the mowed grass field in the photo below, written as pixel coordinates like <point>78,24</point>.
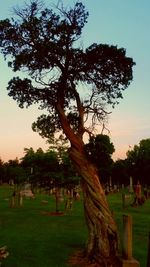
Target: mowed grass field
<point>35,238</point>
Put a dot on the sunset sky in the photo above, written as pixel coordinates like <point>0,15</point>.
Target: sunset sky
<point>122,23</point>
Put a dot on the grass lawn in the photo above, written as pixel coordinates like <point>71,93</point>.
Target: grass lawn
<point>141,225</point>
<point>36,239</point>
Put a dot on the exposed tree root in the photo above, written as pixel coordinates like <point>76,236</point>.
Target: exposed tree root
<point>79,259</point>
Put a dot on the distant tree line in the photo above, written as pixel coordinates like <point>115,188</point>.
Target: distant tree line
<point>54,166</point>
<point>39,168</point>
<point>136,163</point>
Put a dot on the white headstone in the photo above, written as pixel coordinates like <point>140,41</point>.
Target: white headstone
<point>131,185</point>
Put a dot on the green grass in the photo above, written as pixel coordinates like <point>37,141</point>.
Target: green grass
<point>140,225</point>
<point>36,239</point>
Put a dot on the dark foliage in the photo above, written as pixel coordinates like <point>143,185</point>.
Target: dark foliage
<point>100,150</point>
<point>43,42</point>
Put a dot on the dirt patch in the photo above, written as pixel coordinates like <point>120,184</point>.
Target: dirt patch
<point>53,213</point>
<point>78,259</point>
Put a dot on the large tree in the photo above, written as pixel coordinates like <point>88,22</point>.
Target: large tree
<point>74,86</point>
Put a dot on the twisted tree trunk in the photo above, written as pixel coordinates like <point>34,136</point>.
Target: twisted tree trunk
<point>102,245</point>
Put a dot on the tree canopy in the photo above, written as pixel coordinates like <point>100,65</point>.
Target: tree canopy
<point>100,150</point>
<point>64,77</point>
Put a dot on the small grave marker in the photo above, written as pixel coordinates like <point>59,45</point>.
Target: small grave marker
<point>127,259</point>
<point>148,254</point>
<point>126,199</point>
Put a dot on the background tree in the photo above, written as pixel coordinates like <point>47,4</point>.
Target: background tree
<point>41,167</point>
<point>120,172</point>
<point>60,144</point>
<point>14,173</point>
<point>2,173</point>
<point>72,84</point>
<point>71,177</point>
<point>100,150</point>
<point>138,160</point>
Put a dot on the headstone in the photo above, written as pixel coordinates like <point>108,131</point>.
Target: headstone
<point>13,199</point>
<point>12,202</point>
<point>27,193</point>
<point>126,200</point>
<point>77,196</point>
<point>11,182</point>
<point>27,186</point>
<point>3,253</point>
<point>110,181</point>
<point>138,194</point>
<point>116,188</point>
<point>148,254</point>
<point>127,260</point>
<point>107,189</point>
<point>122,186</point>
<point>145,191</point>
<point>20,199</point>
<point>131,185</point>
<point>69,203</point>
<point>127,237</point>
<point>138,190</point>
<point>110,184</point>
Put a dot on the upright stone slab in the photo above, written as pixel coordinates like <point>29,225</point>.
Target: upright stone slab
<point>127,260</point>
<point>148,253</point>
<point>131,185</point>
<point>12,202</point>
<point>127,237</point>
<point>110,183</point>
<point>20,199</point>
<point>128,263</point>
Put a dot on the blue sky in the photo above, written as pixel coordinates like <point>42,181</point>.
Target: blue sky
<point>122,23</point>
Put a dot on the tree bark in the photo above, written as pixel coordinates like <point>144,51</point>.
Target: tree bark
<point>102,244</point>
